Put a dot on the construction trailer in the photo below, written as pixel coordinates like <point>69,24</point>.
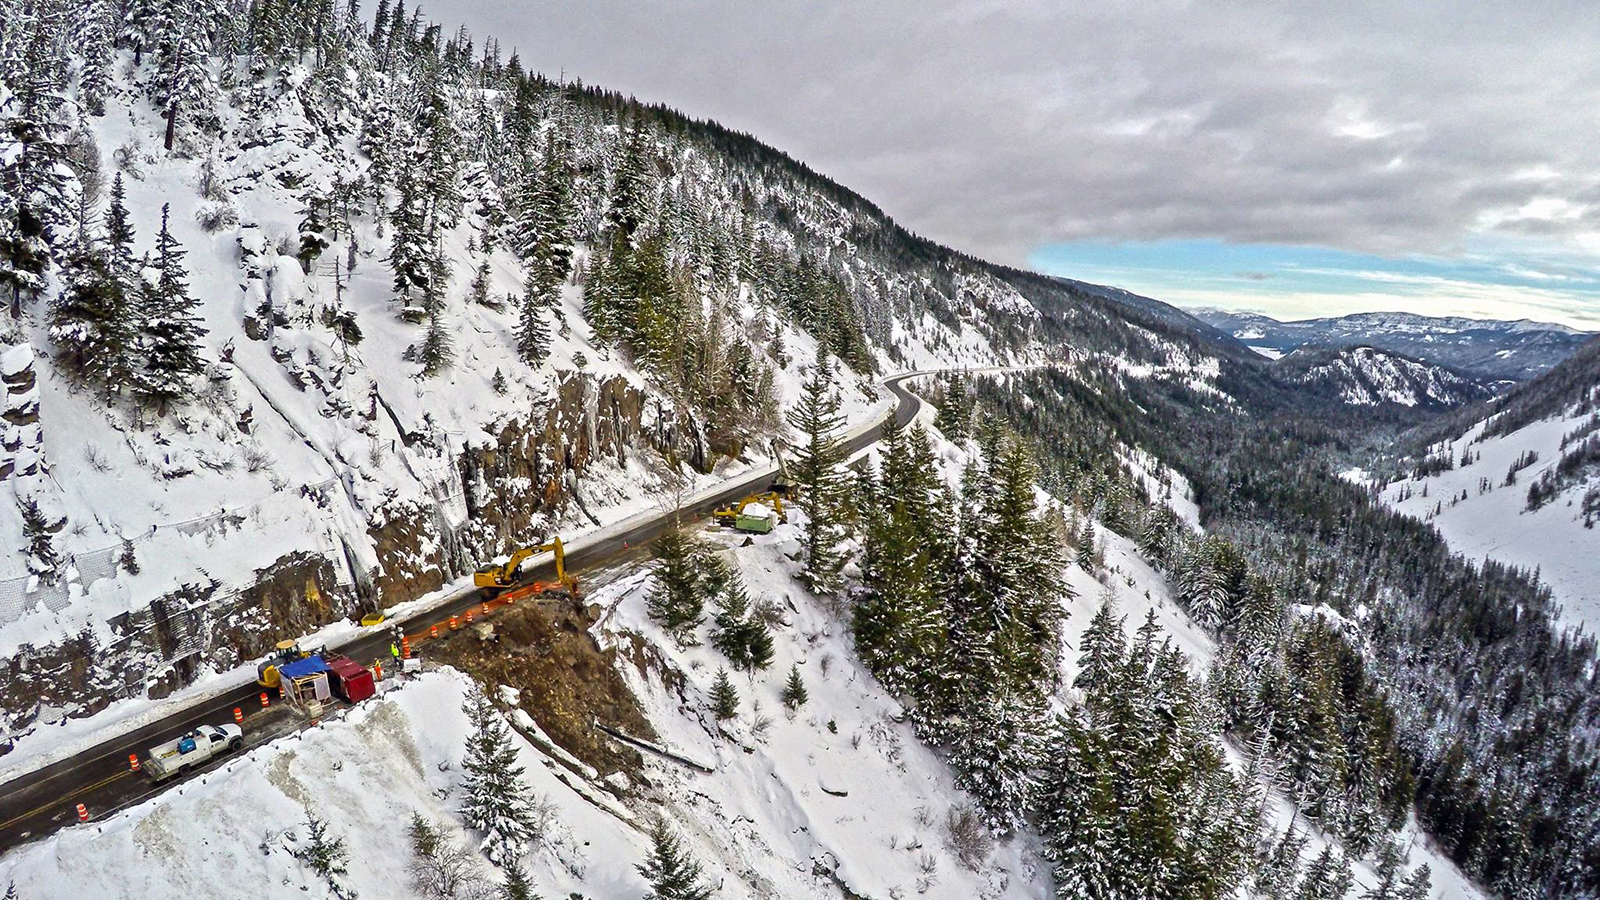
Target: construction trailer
<point>351,681</point>
<point>305,682</point>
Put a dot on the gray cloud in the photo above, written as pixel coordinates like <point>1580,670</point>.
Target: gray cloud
<point>998,126</point>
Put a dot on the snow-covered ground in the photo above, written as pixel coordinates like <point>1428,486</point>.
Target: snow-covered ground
<point>1496,524</point>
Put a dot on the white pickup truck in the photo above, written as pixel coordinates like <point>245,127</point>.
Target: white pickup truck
<point>193,749</point>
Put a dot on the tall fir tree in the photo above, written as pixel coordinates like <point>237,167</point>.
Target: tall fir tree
<point>671,869</point>
<point>497,800</point>
<point>169,327</point>
<point>818,474</point>
<point>676,602</point>
<point>724,697</point>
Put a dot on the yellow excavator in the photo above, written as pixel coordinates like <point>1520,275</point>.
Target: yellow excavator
<point>732,516</point>
<point>287,651</point>
<point>495,578</point>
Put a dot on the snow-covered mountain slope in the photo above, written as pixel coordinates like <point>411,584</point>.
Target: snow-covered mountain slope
<point>1528,496</point>
<point>1516,350</point>
<point>1367,376</point>
<point>839,796</point>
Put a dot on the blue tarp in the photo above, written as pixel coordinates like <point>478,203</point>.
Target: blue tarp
<point>302,667</point>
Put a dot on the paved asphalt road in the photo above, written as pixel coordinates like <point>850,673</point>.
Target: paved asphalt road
<point>38,803</point>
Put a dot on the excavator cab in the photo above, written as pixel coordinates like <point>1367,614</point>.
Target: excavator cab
<point>287,651</point>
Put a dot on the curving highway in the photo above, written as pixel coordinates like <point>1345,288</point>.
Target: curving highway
<point>37,803</point>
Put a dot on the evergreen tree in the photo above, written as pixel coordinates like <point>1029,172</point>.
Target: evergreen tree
<point>899,620</point>
<point>437,351</point>
<point>91,323</point>
<point>1418,884</point>
<point>672,871</point>
<point>1001,749</point>
<point>794,690</point>
<point>552,217</point>
<point>497,799</point>
<point>598,294</point>
<point>677,599</point>
<point>630,187</point>
<point>313,240</point>
<point>36,188</point>
<point>478,293</point>
<point>737,633</point>
<point>97,38</point>
<point>724,698</point>
<point>43,561</point>
<point>1102,653</point>
<point>170,328</point>
<point>533,333</point>
<point>326,855</point>
<point>1387,870</point>
<point>410,252</point>
<point>518,885</point>
<point>818,476</point>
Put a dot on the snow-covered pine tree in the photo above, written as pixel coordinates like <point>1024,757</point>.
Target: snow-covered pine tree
<point>553,215</point>
<point>1418,885</point>
<point>410,251</point>
<point>183,65</point>
<point>671,869</point>
<point>598,289</point>
<point>96,39</point>
<point>437,351</point>
<point>90,321</point>
<point>533,332</point>
<point>312,232</point>
<point>817,468</point>
<point>327,855</point>
<point>898,617</point>
<point>999,754</point>
<point>518,884</point>
<point>478,293</point>
<point>676,601</point>
<point>1386,869</point>
<point>497,799</point>
<point>169,327</point>
<point>1102,652</point>
<point>724,697</point>
<point>737,633</point>
<point>37,190</point>
<point>794,690</point>
<point>43,561</point>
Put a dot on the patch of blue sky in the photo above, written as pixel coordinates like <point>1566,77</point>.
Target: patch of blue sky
<point>1298,281</point>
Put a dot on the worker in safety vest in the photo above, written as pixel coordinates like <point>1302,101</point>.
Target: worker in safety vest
<point>394,653</point>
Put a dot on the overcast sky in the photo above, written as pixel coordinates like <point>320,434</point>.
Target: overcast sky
<point>1446,153</point>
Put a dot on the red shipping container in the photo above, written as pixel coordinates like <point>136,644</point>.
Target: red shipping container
<point>351,680</point>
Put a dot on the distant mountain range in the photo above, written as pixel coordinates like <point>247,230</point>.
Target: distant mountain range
<point>1506,350</point>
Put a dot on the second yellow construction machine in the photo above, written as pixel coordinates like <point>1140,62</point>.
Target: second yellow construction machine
<point>495,578</point>
<point>733,515</point>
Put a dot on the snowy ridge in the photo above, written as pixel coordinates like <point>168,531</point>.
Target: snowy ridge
<point>1366,376</point>
<point>1481,505</point>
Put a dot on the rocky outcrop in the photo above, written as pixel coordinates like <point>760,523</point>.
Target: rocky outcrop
<point>163,647</point>
<point>520,483</point>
